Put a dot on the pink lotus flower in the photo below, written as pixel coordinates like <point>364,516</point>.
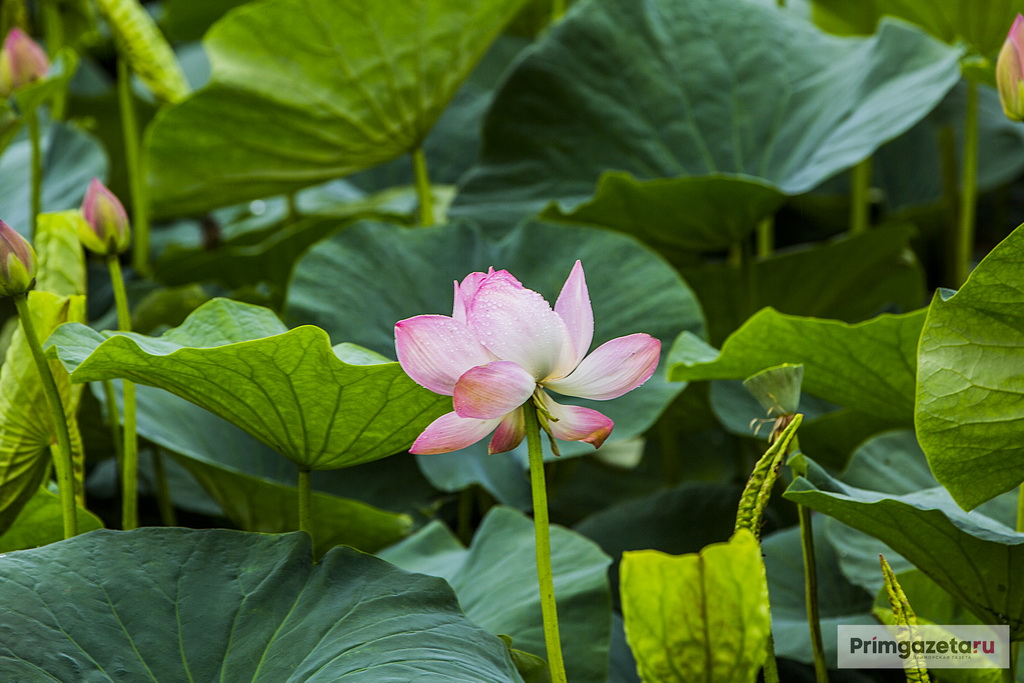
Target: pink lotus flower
<point>21,61</point>
<point>502,345</point>
<point>1010,71</point>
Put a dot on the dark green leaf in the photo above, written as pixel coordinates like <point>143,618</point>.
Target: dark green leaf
<point>225,605</point>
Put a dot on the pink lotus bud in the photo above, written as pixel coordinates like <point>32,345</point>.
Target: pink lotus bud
<point>106,228</point>
<point>1010,71</point>
<point>17,262</point>
<point>21,62</point>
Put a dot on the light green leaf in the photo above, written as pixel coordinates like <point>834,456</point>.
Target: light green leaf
<point>977,559</point>
<point>338,286</point>
<point>41,522</point>
<point>694,96</point>
<point>662,212</point>
<point>337,85</point>
<point>496,583</point>
<point>210,605</point>
<point>983,26</point>
<point>286,388</point>
<point>970,387</point>
<point>868,366</point>
<point>26,427</point>
<point>60,253</point>
<point>700,617</point>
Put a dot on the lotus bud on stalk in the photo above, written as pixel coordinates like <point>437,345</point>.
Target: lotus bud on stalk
<point>21,61</point>
<point>1010,71</point>
<point>105,231</point>
<point>17,262</point>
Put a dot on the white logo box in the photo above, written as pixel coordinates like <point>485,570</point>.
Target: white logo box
<point>931,647</point>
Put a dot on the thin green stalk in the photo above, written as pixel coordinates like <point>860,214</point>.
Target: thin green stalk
<point>163,491</point>
<point>36,201</point>
<point>130,468</point>
<point>134,163</point>
<point>964,247</point>
<point>811,593</point>
<point>419,167</point>
<point>538,488</point>
<point>860,197</point>
<point>305,502</point>
<point>766,237</point>
<point>62,462</point>
<point>115,422</point>
<point>54,29</point>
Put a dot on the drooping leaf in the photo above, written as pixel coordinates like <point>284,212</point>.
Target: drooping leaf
<point>71,159</point>
<point>338,286</point>
<point>41,522</point>
<point>26,427</point>
<point>868,366</point>
<point>695,96</point>
<point>496,582</point>
<point>676,212</point>
<point>225,605</point>
<point>977,559</point>
<point>700,617</point>
<point>849,279</point>
<point>289,389</point>
<point>970,387</point>
<point>331,82</point>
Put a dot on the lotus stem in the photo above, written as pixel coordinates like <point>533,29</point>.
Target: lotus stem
<point>766,237</point>
<point>134,162</point>
<point>964,246</point>
<point>130,468</point>
<point>36,200</point>
<point>62,461</point>
<point>811,592</point>
<point>115,423</point>
<point>305,502</point>
<point>860,199</point>
<point>163,491</point>
<point>549,610</point>
<point>419,165</point>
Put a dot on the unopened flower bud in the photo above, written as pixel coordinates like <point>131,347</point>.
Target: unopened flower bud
<point>105,230</point>
<point>17,262</point>
<point>21,61</point>
<point>1010,71</point>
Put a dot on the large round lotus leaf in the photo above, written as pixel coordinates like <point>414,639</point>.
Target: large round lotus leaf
<point>288,388</point>
<point>216,605</point>
<point>668,89</point>
<point>304,91</point>
<point>360,282</point>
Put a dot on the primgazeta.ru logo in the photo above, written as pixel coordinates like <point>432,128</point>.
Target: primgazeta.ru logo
<point>923,647</point>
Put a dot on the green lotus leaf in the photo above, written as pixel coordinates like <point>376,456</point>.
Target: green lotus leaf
<point>502,555</point>
<point>737,122</point>
<point>289,389</point>
<point>305,91</point>
<point>209,605</point>
<point>41,521</point>
<point>970,383</point>
<point>977,559</point>
<point>868,366</point>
